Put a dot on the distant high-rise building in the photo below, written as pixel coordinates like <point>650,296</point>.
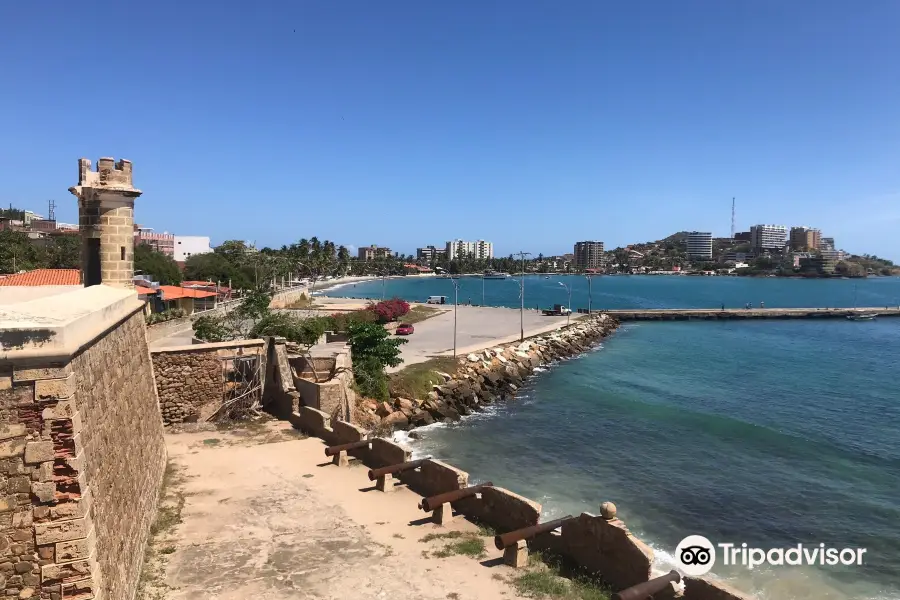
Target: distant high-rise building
<point>826,243</point>
<point>479,249</point>
<point>430,253</point>
<point>768,237</point>
<point>372,252</point>
<point>161,242</point>
<point>743,236</point>
<point>699,245</point>
<point>804,239</point>
<point>588,255</point>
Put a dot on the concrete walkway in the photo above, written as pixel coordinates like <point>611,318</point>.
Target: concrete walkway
<point>477,328</point>
<point>269,519</point>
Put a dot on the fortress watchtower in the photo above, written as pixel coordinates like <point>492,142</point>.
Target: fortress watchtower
<point>106,221</point>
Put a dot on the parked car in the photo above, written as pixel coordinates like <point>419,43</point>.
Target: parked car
<point>436,300</point>
<point>405,329</point>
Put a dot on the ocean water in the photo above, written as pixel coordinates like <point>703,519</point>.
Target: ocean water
<point>772,433</point>
<point>641,291</point>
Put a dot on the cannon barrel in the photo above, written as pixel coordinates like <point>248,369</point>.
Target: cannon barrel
<point>398,468</point>
<point>642,591</point>
<point>332,450</point>
<point>508,539</point>
<point>429,504</point>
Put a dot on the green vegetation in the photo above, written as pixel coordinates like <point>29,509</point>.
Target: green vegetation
<point>464,543</point>
<point>471,546</point>
<point>373,349</point>
<point>419,313</point>
<point>156,265</point>
<point>20,253</point>
<point>546,579</point>
<point>303,302</point>
<point>162,317</point>
<point>415,381</point>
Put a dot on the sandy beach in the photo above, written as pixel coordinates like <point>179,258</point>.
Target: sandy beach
<point>260,513</point>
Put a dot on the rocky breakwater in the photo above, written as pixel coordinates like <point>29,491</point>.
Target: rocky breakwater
<point>492,375</point>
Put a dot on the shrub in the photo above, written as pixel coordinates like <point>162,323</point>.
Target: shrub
<point>373,350</point>
<point>389,310</point>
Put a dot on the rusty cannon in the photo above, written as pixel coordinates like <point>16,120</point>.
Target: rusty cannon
<point>384,477</point>
<point>655,586</point>
<point>439,505</point>
<point>513,544</point>
<point>339,452</point>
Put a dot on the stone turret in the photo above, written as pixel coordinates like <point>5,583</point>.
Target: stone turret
<point>106,220</point>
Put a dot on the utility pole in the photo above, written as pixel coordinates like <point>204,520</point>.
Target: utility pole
<point>732,218</point>
<point>455,283</point>
<point>590,277</point>
<point>522,255</point>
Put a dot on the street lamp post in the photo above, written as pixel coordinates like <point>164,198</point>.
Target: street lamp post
<point>590,278</point>
<point>455,307</point>
<point>522,298</point>
<point>569,291</point>
<point>482,289</point>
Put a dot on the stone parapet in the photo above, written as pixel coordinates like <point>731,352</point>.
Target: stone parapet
<point>81,447</point>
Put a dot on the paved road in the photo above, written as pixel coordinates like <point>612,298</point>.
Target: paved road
<point>477,328</point>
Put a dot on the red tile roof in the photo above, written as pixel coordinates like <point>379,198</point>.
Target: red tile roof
<point>173,292</point>
<point>44,277</point>
<point>141,290</point>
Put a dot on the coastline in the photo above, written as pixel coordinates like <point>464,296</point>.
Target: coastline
<point>490,375</point>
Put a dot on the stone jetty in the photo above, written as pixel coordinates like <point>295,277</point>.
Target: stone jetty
<point>493,374</point>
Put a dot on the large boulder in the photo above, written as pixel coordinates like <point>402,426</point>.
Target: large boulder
<point>383,409</point>
<point>421,418</point>
<point>404,403</point>
<point>396,420</point>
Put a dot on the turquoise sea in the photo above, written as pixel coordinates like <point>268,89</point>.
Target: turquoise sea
<point>772,433</point>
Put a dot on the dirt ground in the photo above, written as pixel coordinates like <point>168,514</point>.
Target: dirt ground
<point>259,513</point>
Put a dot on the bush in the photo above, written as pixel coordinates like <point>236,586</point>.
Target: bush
<point>341,322</point>
<point>371,381</point>
<point>390,310</point>
<point>372,350</point>
<point>162,317</point>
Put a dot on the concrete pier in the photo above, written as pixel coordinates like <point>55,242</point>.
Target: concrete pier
<point>688,314</point>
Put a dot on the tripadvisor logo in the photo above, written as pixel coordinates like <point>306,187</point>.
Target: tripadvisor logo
<point>696,555</point>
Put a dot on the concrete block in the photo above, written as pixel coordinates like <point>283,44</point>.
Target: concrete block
<point>12,448</point>
<point>55,388</point>
<point>45,491</point>
<point>55,372</point>
<point>516,556</point>
<point>44,472</point>
<point>59,531</point>
<point>75,549</point>
<point>38,452</point>
<point>11,430</point>
<point>442,515</point>
<point>340,459</point>
<point>64,409</point>
<point>385,483</point>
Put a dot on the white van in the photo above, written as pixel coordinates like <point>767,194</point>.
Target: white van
<point>436,300</point>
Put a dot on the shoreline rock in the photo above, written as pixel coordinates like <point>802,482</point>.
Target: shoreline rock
<point>494,374</point>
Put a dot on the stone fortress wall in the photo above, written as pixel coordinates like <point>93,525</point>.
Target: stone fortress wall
<point>81,445</point>
<point>601,545</point>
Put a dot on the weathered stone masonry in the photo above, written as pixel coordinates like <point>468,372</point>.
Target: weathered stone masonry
<point>81,448</point>
<point>190,380</point>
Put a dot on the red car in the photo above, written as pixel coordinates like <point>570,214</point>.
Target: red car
<point>405,329</point>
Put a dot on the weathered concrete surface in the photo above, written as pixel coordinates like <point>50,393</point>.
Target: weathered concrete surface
<point>264,522</point>
<point>477,328</point>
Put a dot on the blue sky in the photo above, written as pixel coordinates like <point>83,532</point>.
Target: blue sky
<point>530,124</point>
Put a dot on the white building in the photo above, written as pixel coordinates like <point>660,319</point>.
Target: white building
<point>189,245</point>
<point>699,245</point>
<point>479,249</point>
<point>768,237</point>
